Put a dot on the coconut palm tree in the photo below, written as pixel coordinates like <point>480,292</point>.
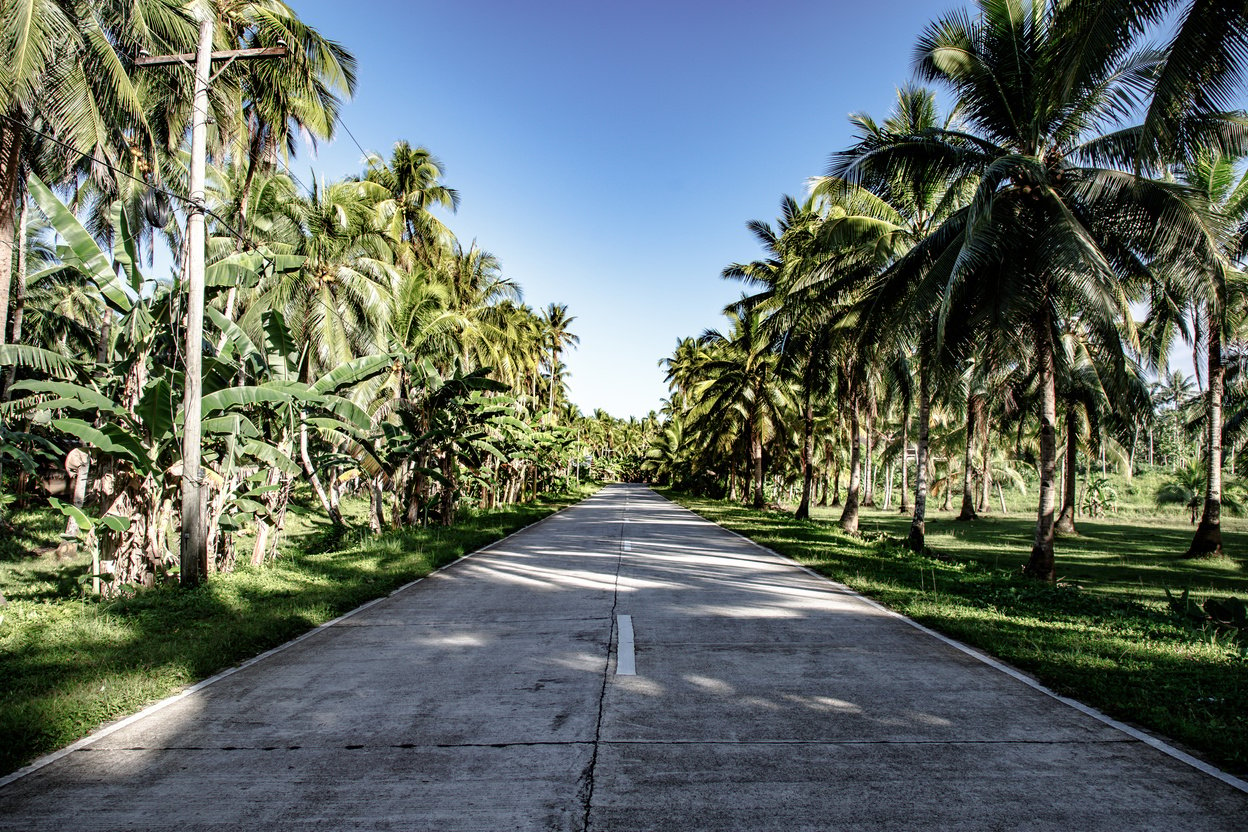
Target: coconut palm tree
<point>64,72</point>
<point>1224,184</point>
<point>413,177</point>
<point>557,335</point>
<point>889,210</point>
<point>743,395</point>
<point>1052,225</point>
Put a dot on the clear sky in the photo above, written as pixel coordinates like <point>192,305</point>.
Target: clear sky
<point>610,153</point>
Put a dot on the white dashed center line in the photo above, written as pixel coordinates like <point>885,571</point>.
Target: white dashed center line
<point>625,658</point>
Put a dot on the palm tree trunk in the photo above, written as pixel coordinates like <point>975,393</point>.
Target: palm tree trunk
<point>1208,539</point>
<point>19,293</point>
<point>868,462</point>
<point>808,456</point>
<point>10,186</point>
<point>1041,564</point>
<point>986,470</point>
<point>917,539</point>
<point>554,368</point>
<point>1066,519</point>
<point>905,450</point>
<point>973,407</point>
<point>756,461</point>
<point>849,514</point>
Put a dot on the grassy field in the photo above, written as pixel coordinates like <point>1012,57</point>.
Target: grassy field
<point>69,663</point>
<point>1104,634</point>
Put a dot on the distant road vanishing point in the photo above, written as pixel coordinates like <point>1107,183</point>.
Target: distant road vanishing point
<point>623,665</point>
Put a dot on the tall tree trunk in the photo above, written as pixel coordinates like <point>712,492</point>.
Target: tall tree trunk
<point>825,478</point>
<point>1208,539</point>
<point>1066,519</point>
<point>948,504</point>
<point>905,451</point>
<point>1041,564</point>
<point>985,472</point>
<point>756,461</point>
<point>836,481</point>
<point>10,189</point>
<point>888,488</point>
<point>917,539</point>
<point>974,405</point>
<point>849,514</point>
<point>19,293</point>
<point>868,462</point>
<point>808,456</point>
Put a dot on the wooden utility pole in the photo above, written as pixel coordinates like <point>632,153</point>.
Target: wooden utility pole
<point>194,539</point>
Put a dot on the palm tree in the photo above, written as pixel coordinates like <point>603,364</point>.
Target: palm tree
<point>742,395</point>
<point>63,73</point>
<point>1217,177</point>
<point>1052,223</point>
<point>891,209</point>
<point>413,176</point>
<point>555,323</point>
<point>302,94</point>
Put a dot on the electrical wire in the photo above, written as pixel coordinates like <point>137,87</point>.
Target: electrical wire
<point>344,126</point>
<point>247,243</point>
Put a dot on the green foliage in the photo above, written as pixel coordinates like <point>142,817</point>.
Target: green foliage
<point>1216,617</point>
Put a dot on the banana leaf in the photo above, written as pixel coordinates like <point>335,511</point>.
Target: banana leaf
<point>90,259</point>
<point>110,439</point>
<point>352,372</point>
<point>37,358</point>
<point>71,395</point>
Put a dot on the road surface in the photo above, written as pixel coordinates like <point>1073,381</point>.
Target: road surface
<point>623,665</point>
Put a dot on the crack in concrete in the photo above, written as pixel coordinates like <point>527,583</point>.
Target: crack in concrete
<point>586,790</point>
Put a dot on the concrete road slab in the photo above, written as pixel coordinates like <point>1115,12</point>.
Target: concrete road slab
<point>925,787</point>
<point>302,789</point>
<point>486,698</point>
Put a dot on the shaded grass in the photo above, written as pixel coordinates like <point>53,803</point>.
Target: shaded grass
<point>1103,634</point>
<point>69,663</point>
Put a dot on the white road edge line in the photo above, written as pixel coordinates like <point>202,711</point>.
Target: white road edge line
<point>100,734</point>
<point>1135,733</point>
<point>625,654</point>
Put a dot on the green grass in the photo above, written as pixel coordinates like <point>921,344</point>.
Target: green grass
<point>69,663</point>
<point>1104,634</point>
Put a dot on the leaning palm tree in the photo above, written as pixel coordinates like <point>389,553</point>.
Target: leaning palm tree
<point>1058,219</point>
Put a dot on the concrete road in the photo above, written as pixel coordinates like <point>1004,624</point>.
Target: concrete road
<point>495,695</point>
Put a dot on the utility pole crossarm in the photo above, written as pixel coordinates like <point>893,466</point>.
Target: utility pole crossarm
<point>224,55</point>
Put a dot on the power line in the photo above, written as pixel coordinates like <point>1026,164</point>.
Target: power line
<point>352,135</point>
<point>152,186</point>
<point>247,242</point>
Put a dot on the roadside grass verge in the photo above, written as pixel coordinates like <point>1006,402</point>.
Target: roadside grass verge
<point>69,664</point>
<point>1103,635</point>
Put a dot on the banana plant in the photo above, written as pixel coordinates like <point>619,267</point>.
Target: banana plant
<point>129,411</point>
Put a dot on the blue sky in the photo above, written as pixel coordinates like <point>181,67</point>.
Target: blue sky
<point>610,154</point>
